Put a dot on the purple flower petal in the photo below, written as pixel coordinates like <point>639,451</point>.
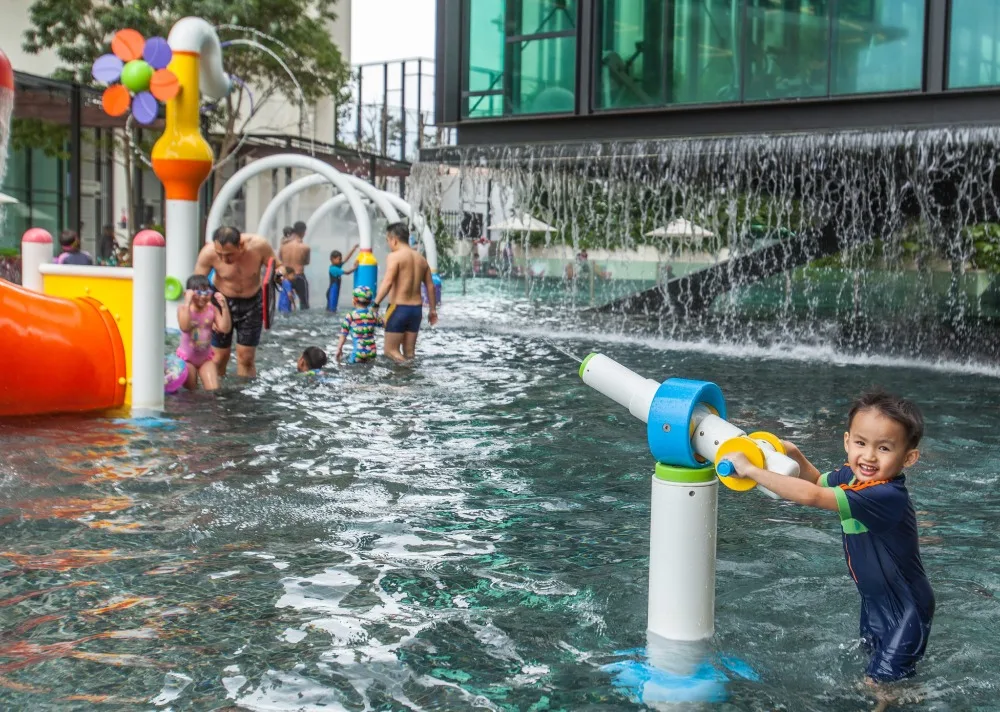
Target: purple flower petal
<point>144,108</point>
<point>107,69</point>
<point>157,52</point>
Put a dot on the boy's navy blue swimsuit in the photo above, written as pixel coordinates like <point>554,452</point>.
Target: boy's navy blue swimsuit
<point>883,556</point>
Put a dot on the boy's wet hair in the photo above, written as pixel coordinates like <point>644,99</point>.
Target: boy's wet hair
<point>286,231</point>
<point>903,411</point>
<point>315,358</point>
<point>335,254</point>
<point>68,237</point>
<point>198,282</point>
<point>299,228</point>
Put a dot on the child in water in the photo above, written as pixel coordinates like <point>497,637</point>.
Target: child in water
<point>336,274</point>
<point>879,526</point>
<point>286,292</point>
<point>200,315</point>
<point>360,325</point>
<point>311,360</point>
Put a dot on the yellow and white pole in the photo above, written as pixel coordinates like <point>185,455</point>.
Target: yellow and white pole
<point>182,158</point>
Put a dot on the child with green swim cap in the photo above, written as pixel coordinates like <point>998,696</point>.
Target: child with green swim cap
<point>360,325</point>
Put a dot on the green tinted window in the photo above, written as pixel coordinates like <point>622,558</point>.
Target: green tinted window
<point>520,57</point>
<point>703,39</point>
<point>532,17</point>
<point>787,49</point>
<point>629,58</point>
<point>541,56</point>
<point>878,46</point>
<point>484,58</point>
<point>974,44</point>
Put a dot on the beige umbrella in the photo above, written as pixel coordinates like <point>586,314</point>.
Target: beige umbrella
<point>521,223</point>
<point>680,227</point>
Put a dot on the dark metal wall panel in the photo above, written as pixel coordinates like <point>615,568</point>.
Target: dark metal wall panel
<point>910,111</point>
<point>448,62</point>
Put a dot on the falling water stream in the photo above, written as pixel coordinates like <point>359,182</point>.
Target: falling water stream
<point>885,222</point>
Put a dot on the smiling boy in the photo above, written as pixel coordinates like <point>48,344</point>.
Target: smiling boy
<point>879,526</point>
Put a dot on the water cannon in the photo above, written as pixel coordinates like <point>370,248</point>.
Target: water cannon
<point>686,424</point>
<point>690,438</point>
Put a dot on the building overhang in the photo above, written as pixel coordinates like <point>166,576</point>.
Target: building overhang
<point>868,113</point>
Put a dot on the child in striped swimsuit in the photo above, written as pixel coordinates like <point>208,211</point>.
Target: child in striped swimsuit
<point>360,325</point>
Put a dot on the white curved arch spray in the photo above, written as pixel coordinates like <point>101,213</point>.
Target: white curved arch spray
<point>418,220</point>
<point>267,220</point>
<point>366,275</point>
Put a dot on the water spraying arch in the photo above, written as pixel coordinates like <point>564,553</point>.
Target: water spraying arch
<point>291,160</point>
<point>297,186</point>
<point>418,220</point>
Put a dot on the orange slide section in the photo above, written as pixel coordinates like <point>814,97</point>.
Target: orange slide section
<point>57,355</point>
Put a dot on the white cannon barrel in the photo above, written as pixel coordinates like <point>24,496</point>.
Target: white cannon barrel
<point>625,387</point>
<point>710,432</point>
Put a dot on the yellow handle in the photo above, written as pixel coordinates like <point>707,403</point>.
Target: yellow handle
<point>749,448</point>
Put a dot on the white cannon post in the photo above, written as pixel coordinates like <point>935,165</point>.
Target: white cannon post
<point>149,273</point>
<point>36,250</point>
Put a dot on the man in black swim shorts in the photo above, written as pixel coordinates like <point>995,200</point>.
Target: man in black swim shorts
<point>238,261</point>
<point>248,322</point>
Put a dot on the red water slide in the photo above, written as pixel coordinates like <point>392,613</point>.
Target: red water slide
<point>57,355</point>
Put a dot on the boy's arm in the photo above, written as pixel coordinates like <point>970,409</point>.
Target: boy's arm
<point>340,348</point>
<point>790,488</point>
<point>807,470</point>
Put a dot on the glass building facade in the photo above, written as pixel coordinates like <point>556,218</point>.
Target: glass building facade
<point>537,57</point>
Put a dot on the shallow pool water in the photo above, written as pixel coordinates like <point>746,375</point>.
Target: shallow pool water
<point>467,533</point>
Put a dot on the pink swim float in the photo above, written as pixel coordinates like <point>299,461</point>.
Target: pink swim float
<point>175,373</point>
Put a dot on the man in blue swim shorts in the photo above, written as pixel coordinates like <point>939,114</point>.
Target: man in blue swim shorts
<point>879,527</point>
<point>406,270</point>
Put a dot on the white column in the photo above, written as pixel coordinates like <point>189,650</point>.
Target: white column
<point>683,525</point>
<point>182,248</point>
<point>36,250</point>
<point>148,323</point>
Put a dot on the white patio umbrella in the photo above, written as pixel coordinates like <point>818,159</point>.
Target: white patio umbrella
<point>680,227</point>
<point>521,223</point>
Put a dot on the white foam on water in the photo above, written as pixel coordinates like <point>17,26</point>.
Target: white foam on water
<point>801,353</point>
